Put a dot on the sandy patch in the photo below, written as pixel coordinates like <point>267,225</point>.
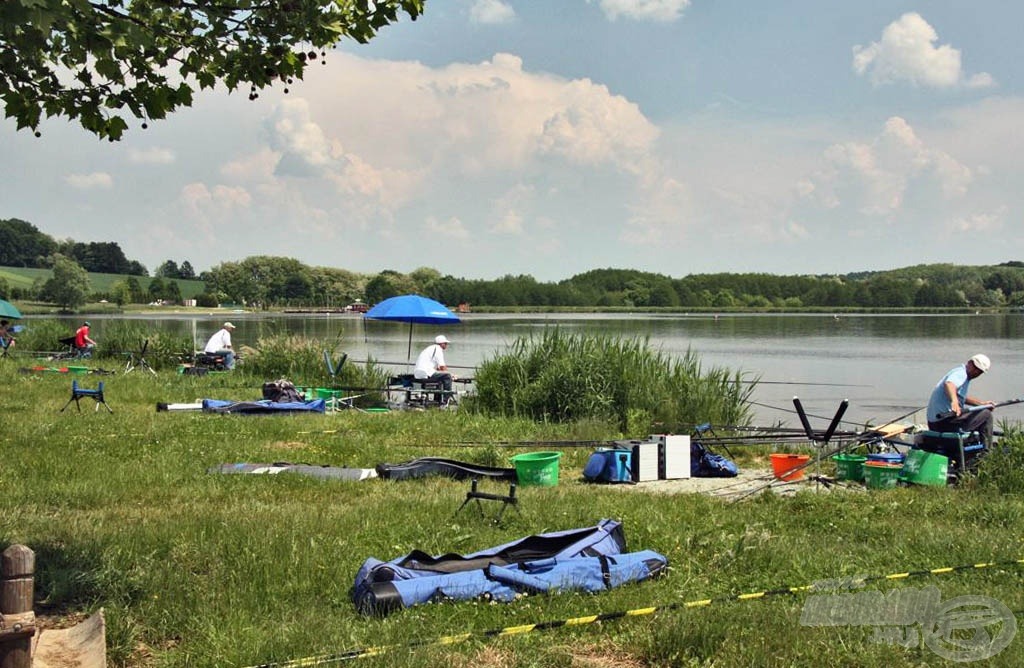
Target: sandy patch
<point>748,484</point>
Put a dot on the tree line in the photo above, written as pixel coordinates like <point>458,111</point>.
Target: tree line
<point>268,281</point>
<point>272,282</point>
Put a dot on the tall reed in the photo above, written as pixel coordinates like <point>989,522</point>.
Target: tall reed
<point>561,377</point>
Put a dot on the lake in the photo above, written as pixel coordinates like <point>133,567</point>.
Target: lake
<point>885,365</point>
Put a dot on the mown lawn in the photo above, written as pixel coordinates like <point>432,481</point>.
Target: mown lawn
<point>201,569</point>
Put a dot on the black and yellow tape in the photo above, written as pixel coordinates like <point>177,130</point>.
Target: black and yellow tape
<point>621,614</point>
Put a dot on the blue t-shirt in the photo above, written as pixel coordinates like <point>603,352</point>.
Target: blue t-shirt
<point>939,401</point>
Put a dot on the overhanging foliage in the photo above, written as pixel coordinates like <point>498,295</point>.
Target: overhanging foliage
<point>100,61</point>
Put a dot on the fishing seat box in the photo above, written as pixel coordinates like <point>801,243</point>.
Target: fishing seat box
<point>963,449</point>
<point>661,457</point>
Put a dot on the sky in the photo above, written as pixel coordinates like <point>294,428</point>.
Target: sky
<point>504,137</point>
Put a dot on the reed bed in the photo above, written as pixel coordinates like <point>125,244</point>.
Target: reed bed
<point>562,377</point>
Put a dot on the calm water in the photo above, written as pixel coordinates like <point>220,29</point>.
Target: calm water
<point>885,365</point>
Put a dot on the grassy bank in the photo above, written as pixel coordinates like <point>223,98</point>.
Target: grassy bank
<point>201,569</point>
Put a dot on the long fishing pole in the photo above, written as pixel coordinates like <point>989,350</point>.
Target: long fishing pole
<point>406,363</point>
<point>971,409</point>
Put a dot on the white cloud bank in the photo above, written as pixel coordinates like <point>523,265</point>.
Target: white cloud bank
<point>491,12</point>
<point>435,144</point>
<point>659,11</point>
<point>907,52</point>
<point>92,181</point>
<point>875,178</point>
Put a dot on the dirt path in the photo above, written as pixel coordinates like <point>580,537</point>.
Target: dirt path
<point>748,484</point>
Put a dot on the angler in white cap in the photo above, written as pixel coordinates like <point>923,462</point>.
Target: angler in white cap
<point>220,344</point>
<point>431,367</point>
<point>948,406</point>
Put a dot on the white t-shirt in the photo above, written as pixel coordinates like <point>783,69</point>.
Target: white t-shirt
<point>219,341</point>
<point>429,361</point>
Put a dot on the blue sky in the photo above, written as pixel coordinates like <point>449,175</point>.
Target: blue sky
<point>494,137</point>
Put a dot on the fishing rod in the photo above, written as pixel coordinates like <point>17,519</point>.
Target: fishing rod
<point>971,409</point>
<point>794,382</point>
<point>406,363</point>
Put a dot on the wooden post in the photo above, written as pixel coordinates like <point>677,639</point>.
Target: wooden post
<point>17,620</point>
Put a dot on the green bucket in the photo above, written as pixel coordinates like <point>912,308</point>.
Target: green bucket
<point>925,468</point>
<point>881,475</point>
<point>539,469</point>
<point>850,467</point>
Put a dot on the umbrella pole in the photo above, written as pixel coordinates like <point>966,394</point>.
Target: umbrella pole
<point>408,354</point>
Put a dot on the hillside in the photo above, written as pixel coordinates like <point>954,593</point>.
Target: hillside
<point>19,277</point>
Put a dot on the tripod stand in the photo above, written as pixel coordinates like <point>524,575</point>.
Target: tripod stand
<point>141,363</point>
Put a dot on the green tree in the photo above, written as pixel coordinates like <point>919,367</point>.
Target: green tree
<point>386,284</point>
<point>168,269</point>
<point>186,271</point>
<point>69,284</point>
<point>99,61</point>
<point>172,291</point>
<point>22,245</point>
<point>156,289</point>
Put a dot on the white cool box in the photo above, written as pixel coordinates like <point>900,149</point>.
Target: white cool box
<point>661,457</point>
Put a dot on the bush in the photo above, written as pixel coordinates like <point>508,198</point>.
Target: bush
<point>562,377</point>
<point>206,300</point>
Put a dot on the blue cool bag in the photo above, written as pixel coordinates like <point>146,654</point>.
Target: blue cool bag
<point>591,559</point>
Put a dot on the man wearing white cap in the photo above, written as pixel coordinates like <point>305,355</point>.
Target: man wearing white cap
<point>431,367</point>
<point>947,407</point>
<point>220,344</point>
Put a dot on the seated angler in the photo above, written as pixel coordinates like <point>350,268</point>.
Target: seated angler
<point>220,344</point>
<point>947,406</point>
<point>431,367</point>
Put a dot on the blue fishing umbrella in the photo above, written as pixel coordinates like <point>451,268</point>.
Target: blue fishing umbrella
<point>412,309</point>
<point>8,310</point>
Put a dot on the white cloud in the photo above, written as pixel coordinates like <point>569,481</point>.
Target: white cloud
<point>663,11</point>
<point>489,12</point>
<point>209,203</point>
<point>452,228</point>
<point>876,177</point>
<point>252,168</point>
<point>304,148</point>
<point>154,155</point>
<point>989,221</point>
<point>907,52</point>
<point>92,181</point>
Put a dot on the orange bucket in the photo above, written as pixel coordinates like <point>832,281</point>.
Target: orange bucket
<point>783,465</point>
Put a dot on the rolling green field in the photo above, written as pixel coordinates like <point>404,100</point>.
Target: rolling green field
<point>202,569</point>
<point>20,277</point>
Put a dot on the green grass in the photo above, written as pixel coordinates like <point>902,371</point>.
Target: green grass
<point>21,277</point>
<point>199,569</point>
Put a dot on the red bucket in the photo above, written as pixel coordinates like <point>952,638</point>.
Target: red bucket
<point>788,466</point>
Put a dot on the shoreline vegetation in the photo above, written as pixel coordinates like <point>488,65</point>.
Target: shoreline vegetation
<point>40,309</point>
<point>270,284</point>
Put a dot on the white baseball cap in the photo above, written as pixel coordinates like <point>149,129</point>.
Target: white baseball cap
<point>228,325</point>
<point>981,362</point>
<point>441,338</point>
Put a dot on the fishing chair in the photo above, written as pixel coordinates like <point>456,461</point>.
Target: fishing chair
<point>704,431</point>
<point>417,390</point>
<point>963,449</point>
<point>78,393</point>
